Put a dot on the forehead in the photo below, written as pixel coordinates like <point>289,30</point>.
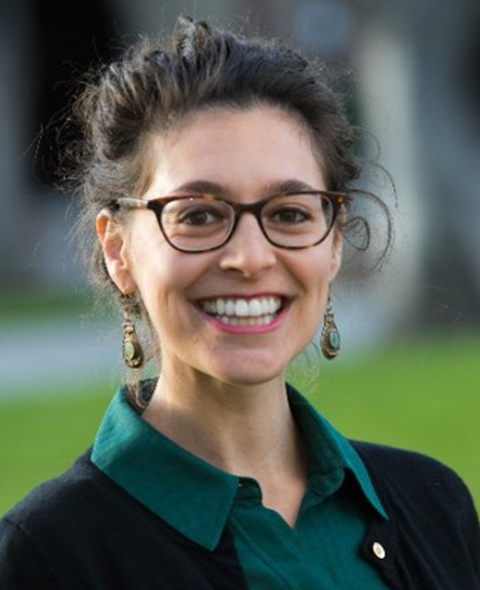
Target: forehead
<point>238,149</point>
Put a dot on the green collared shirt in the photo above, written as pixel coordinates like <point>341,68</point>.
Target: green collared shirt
<point>198,500</point>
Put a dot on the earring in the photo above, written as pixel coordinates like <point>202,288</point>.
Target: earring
<point>131,347</point>
<point>330,339</point>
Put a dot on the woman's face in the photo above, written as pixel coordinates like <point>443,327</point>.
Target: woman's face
<point>245,154</point>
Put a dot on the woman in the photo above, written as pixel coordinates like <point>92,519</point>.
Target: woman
<point>218,171</point>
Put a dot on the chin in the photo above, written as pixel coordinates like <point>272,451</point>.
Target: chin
<point>251,380</point>
<point>247,376</point>
<point>243,367</point>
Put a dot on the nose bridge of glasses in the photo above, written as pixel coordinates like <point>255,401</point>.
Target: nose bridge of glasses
<point>252,210</point>
<point>247,249</point>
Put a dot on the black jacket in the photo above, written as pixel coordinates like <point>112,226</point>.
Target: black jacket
<point>81,531</point>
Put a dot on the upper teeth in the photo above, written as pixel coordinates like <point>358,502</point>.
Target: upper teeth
<point>242,307</point>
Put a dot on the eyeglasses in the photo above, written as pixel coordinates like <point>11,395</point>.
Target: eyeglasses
<point>200,223</point>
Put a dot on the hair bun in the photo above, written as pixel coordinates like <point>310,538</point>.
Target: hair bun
<point>191,37</point>
<point>157,58</point>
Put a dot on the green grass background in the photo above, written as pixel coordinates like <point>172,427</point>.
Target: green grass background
<point>423,395</point>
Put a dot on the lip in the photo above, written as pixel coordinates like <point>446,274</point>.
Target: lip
<point>246,296</point>
<point>275,325</point>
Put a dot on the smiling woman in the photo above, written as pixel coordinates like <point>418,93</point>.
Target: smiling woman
<point>218,173</point>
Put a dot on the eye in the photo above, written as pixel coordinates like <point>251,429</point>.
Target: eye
<point>290,215</point>
<point>198,213</point>
<point>199,216</point>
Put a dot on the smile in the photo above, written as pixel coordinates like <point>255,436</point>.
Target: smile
<point>255,311</point>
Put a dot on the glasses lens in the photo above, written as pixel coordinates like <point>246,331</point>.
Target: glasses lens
<point>197,223</point>
<point>298,221</point>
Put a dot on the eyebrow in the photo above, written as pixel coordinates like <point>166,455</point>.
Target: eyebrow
<point>291,185</point>
<point>202,187</point>
<point>273,188</point>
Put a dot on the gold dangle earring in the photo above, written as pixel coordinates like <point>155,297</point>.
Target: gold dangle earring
<point>330,338</point>
<point>131,347</point>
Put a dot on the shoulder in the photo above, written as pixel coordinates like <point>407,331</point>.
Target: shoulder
<point>390,462</point>
<point>62,503</point>
<point>431,517</point>
<point>52,518</point>
<point>82,530</point>
<point>408,477</point>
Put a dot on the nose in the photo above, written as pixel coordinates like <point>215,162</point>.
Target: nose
<point>248,251</point>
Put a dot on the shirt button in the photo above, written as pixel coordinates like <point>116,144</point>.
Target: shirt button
<point>379,550</point>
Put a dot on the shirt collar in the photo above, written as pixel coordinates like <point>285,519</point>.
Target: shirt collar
<point>191,495</point>
<point>329,453</point>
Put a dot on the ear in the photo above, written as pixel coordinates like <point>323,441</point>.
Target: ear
<point>337,250</point>
<point>112,238</point>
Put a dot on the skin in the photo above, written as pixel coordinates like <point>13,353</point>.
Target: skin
<point>221,395</point>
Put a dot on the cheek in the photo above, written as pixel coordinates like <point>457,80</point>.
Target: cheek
<point>165,284</point>
<point>315,270</point>
<point>314,274</point>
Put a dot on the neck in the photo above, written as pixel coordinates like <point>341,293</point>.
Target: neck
<point>246,430</point>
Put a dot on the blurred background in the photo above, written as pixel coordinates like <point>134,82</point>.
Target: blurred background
<point>409,374</point>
